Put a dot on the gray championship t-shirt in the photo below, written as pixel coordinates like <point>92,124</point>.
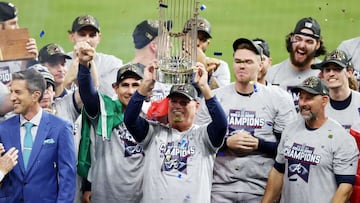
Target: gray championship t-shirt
<point>179,166</point>
<point>312,158</point>
<point>269,108</point>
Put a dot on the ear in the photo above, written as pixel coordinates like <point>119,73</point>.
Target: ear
<point>153,46</point>
<point>100,35</point>
<point>72,37</point>
<point>36,96</point>
<point>318,44</point>
<point>325,100</point>
<point>348,72</point>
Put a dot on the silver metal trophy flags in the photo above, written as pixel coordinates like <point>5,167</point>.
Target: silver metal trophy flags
<point>177,41</point>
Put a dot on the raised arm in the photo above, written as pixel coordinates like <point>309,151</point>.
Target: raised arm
<point>88,93</point>
<point>217,127</point>
<point>136,125</point>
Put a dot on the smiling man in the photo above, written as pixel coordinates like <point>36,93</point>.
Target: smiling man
<point>45,143</point>
<point>317,159</point>
<point>304,44</point>
<point>179,156</point>
<point>344,103</point>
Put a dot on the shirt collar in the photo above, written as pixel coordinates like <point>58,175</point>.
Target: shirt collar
<point>35,120</point>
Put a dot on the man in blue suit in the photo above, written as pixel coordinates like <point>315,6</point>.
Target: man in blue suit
<point>46,165</point>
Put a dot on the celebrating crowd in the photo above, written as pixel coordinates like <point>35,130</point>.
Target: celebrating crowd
<point>84,126</point>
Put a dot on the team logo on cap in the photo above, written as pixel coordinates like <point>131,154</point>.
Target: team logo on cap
<point>86,20</point>
<point>336,55</point>
<point>53,49</point>
<point>311,82</point>
<point>202,25</point>
<point>308,25</point>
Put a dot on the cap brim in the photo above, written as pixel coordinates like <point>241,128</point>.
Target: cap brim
<point>61,54</point>
<point>206,32</point>
<point>176,93</point>
<point>306,89</point>
<point>315,36</point>
<point>66,56</point>
<point>127,74</point>
<point>324,63</point>
<point>87,25</point>
<point>249,42</point>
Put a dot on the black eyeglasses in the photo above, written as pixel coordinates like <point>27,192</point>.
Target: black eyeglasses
<point>182,102</point>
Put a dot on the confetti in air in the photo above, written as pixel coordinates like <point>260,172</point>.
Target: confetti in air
<point>202,7</point>
<point>42,33</point>
<point>216,53</point>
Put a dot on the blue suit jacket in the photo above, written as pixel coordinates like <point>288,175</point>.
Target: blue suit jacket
<point>51,173</point>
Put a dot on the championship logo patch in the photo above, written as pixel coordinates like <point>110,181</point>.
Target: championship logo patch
<point>175,155</point>
<point>300,158</point>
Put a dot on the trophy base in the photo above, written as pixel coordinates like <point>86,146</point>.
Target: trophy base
<point>174,76</point>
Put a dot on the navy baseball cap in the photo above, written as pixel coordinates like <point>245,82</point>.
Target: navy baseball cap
<point>308,23</point>
<point>146,31</point>
<point>186,90</point>
<point>85,21</point>
<point>48,52</point>
<point>7,11</point>
<point>204,25</point>
<point>129,71</point>
<point>312,85</point>
<point>337,56</point>
<point>253,46</point>
<point>264,45</point>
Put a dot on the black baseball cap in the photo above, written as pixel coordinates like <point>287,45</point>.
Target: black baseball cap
<point>204,25</point>
<point>337,56</point>
<point>264,45</point>
<point>49,78</point>
<point>49,51</point>
<point>186,90</point>
<point>85,21</point>
<point>254,47</point>
<point>129,71</point>
<point>312,85</point>
<point>146,31</point>
<point>7,11</point>
<point>308,23</point>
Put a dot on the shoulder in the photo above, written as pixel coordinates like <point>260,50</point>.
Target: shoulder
<point>277,68</point>
<point>350,41</point>
<point>355,95</point>
<point>230,88</point>
<point>108,57</point>
<point>280,65</point>
<point>349,45</point>
<point>55,120</point>
<point>10,121</point>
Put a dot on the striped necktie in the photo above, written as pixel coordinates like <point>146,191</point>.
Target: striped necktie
<point>28,142</point>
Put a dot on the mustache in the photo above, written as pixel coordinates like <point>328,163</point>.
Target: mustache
<point>305,108</point>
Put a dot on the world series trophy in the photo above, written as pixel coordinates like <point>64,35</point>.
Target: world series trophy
<point>177,43</point>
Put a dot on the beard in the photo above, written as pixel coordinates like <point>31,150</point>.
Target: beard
<point>307,117</point>
<point>309,57</point>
